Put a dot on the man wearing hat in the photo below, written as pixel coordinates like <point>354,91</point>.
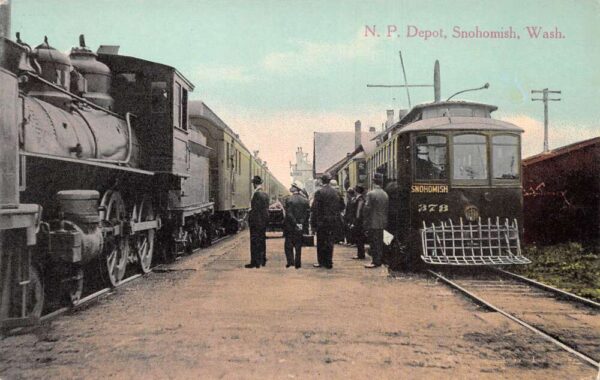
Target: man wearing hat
<point>297,212</point>
<point>258,218</point>
<point>357,229</point>
<point>349,214</point>
<point>375,219</point>
<point>325,219</point>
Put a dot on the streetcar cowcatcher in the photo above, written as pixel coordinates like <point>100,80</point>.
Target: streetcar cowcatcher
<point>492,242</point>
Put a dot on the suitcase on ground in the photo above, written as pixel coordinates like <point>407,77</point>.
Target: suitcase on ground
<point>308,240</point>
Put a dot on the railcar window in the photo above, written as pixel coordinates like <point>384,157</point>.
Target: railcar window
<point>470,157</point>
<point>130,78</point>
<point>159,95</point>
<point>227,157</point>
<point>430,157</point>
<point>177,105</point>
<point>505,157</point>
<point>184,111</point>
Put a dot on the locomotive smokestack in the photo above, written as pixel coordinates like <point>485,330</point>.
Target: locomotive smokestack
<point>357,134</point>
<point>402,113</point>
<point>390,118</point>
<point>5,18</point>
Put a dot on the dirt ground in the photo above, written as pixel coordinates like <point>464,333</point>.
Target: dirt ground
<point>210,318</point>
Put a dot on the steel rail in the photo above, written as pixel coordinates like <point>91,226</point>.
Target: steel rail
<point>560,292</point>
<point>88,299</point>
<point>96,295</point>
<point>540,332</point>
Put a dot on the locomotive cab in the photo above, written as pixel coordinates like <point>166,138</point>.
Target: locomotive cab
<point>459,185</point>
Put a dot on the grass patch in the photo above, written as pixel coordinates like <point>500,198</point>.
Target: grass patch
<point>569,266</point>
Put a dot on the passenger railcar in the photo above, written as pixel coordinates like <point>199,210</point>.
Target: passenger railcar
<point>453,175</point>
<point>230,168</point>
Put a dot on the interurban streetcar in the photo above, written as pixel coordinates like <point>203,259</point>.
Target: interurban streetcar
<point>453,175</point>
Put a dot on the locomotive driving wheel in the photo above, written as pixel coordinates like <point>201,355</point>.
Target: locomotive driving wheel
<point>116,248</point>
<point>144,240</point>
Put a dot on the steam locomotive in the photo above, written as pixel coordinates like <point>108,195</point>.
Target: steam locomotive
<point>113,168</point>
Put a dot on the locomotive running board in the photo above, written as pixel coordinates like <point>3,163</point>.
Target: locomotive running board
<point>106,165</point>
<point>472,244</point>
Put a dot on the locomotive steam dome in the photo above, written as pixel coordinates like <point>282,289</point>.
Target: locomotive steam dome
<point>97,75</point>
<point>56,68</point>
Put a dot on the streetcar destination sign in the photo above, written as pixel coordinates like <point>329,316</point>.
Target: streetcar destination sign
<point>429,189</point>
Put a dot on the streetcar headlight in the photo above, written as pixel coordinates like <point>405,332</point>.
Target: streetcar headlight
<point>471,213</point>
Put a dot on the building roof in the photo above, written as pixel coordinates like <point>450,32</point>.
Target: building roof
<point>335,168</point>
<point>332,147</point>
<point>560,151</point>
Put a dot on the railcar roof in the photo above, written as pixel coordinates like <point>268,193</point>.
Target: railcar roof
<point>126,58</point>
<point>418,109</point>
<point>459,123</point>
<point>199,109</point>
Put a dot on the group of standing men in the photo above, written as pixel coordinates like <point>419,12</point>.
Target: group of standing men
<point>364,215</point>
<point>365,218</point>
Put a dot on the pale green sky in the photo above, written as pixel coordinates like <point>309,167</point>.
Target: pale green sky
<point>278,70</point>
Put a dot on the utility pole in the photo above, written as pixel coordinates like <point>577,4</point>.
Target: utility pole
<point>545,99</point>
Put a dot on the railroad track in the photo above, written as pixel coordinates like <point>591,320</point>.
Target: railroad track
<point>46,318</point>
<point>568,321</point>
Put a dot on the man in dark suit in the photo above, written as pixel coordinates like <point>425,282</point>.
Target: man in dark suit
<point>357,229</point>
<point>258,219</point>
<point>349,215</point>
<point>297,211</point>
<point>376,215</point>
<point>326,220</point>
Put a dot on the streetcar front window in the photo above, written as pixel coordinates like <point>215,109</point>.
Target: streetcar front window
<point>470,157</point>
<point>505,157</point>
<point>430,157</point>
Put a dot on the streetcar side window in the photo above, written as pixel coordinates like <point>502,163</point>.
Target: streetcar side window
<point>505,157</point>
<point>430,157</point>
<point>470,157</point>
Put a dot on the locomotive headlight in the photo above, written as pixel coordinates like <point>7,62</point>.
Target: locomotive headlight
<point>471,213</point>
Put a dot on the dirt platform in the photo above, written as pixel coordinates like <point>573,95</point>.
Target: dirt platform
<point>210,318</point>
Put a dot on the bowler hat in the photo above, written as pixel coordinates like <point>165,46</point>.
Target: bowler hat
<point>256,180</point>
<point>325,178</point>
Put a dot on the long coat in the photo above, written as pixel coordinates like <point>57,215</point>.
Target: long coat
<point>376,209</point>
<point>326,208</point>
<point>297,211</point>
<point>259,211</point>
